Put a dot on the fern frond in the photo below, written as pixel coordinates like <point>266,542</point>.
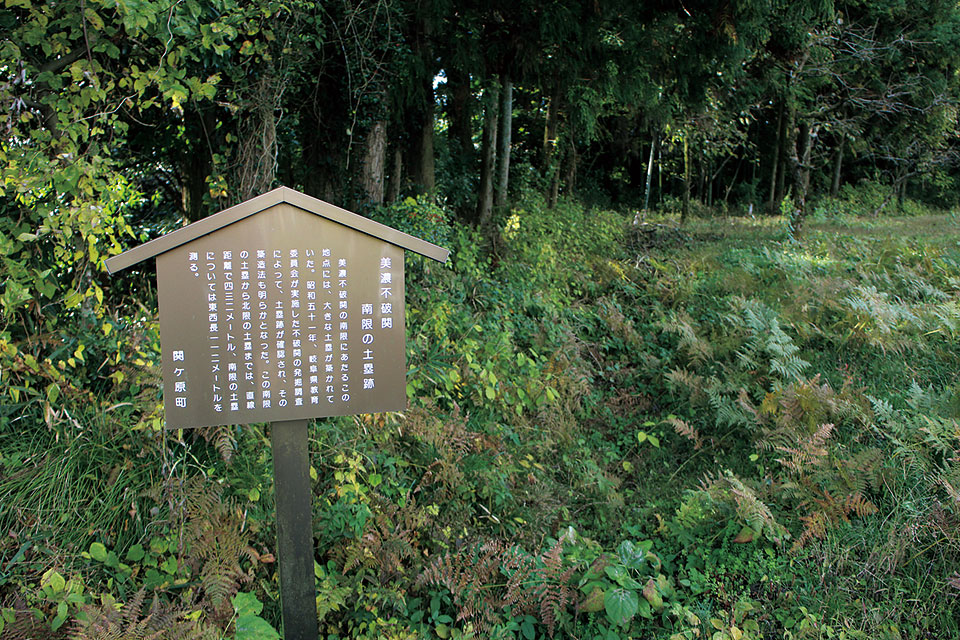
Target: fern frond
<point>684,429</point>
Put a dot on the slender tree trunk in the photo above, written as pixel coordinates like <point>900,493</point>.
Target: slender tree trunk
<point>659,174</point>
<point>800,168</point>
<point>422,171</point>
<point>488,151</point>
<point>374,158</point>
<point>506,125</point>
<point>550,161</point>
<point>426,176</point>
<point>704,177</point>
<point>646,194</point>
<point>554,195</point>
<point>807,134</point>
<point>550,131</point>
<point>685,211</point>
<point>396,177</point>
<point>787,136</point>
<point>837,167</point>
<point>459,113</point>
<point>257,164</point>
<point>775,169</point>
<point>570,177</point>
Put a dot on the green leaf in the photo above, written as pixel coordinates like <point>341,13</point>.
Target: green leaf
<point>616,573</point>
<point>54,580</point>
<point>169,565</point>
<point>255,628</point>
<point>526,628</point>
<point>631,556</point>
<point>61,616</point>
<point>593,602</point>
<point>98,552</point>
<point>621,605</point>
<point>247,604</point>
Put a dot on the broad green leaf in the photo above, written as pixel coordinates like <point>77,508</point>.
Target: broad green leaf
<point>98,552</point>
<point>61,616</point>
<point>247,604</point>
<point>54,580</point>
<point>593,602</point>
<point>621,605</point>
<point>169,565</point>
<point>526,628</point>
<point>255,628</point>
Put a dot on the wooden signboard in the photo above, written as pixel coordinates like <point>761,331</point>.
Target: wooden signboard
<point>281,309</point>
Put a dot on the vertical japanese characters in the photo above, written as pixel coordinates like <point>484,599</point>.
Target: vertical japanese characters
<point>302,328</point>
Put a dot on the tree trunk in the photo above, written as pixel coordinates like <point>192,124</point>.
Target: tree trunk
<point>837,166</point>
<point>775,169</point>
<point>685,211</point>
<point>488,151</point>
<point>550,164</point>
<point>194,168</point>
<point>570,177</point>
<point>374,159</point>
<point>659,174</point>
<point>807,134</point>
<point>506,125</point>
<point>802,144</point>
<point>422,172</point>
<point>902,192</point>
<point>786,143</point>
<point>396,177</point>
<point>257,164</point>
<point>460,113</point>
<point>646,194</point>
<point>425,177</point>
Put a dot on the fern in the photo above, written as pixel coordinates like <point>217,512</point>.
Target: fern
<point>223,438</point>
<point>725,495</point>
<point>535,584</point>
<point>684,429</point>
<point>390,541</point>
<point>217,541</point>
<point>110,621</point>
<point>766,344</point>
<point>810,452</point>
<point>697,349</point>
<point>26,625</point>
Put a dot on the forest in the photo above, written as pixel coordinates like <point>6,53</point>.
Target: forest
<point>690,372</point>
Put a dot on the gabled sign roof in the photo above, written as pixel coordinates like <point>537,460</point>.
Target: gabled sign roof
<point>261,203</point>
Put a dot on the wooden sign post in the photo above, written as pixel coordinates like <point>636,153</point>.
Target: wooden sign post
<point>282,309</point>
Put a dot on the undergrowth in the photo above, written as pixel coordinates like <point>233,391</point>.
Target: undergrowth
<point>613,431</point>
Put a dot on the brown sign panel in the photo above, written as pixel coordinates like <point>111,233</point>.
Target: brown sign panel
<point>282,315</point>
